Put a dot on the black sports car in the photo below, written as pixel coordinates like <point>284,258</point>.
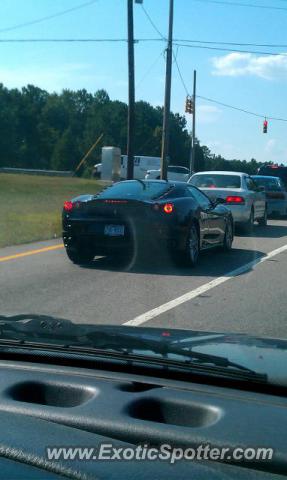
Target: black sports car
<point>135,216</point>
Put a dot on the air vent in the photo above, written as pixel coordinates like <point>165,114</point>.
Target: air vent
<point>174,412</point>
<point>52,394</point>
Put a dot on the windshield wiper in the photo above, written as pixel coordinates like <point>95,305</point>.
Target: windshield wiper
<point>40,330</point>
<point>141,182</point>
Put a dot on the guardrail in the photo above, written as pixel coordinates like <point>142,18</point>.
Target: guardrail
<point>33,171</point>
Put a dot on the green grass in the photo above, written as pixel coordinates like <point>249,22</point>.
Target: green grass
<point>31,205</point>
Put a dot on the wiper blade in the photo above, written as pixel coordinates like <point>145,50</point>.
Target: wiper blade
<point>165,350</point>
<point>156,197</point>
<point>66,334</point>
<point>141,182</point>
<point>92,353</point>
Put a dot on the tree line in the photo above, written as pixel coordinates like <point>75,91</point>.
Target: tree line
<point>53,131</point>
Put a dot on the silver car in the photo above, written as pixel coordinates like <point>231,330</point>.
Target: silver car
<point>238,191</point>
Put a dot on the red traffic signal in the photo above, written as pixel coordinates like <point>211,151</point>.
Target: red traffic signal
<point>265,126</point>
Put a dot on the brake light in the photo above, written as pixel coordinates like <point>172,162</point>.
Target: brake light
<point>165,334</point>
<point>168,208</point>
<point>235,199</point>
<point>68,206</point>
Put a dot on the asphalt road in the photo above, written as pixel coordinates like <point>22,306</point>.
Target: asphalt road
<point>38,278</point>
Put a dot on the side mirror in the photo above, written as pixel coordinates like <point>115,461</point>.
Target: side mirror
<point>219,201</point>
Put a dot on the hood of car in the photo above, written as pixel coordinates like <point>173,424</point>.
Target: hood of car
<point>267,356</point>
<point>264,356</point>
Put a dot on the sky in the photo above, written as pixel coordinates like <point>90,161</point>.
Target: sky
<point>253,82</point>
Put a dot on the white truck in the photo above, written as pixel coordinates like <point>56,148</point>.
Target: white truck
<point>142,164</point>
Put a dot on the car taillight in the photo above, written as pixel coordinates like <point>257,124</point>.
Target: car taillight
<point>168,207</point>
<point>235,199</point>
<point>165,334</point>
<point>68,206</point>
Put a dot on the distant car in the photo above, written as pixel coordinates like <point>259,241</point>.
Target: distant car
<point>173,173</point>
<point>97,170</point>
<point>134,215</point>
<point>276,194</point>
<point>245,199</point>
<point>274,171</point>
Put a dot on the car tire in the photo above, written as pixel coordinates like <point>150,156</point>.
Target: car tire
<point>228,236</point>
<point>263,221</point>
<point>79,256</point>
<point>248,226</point>
<point>192,249</point>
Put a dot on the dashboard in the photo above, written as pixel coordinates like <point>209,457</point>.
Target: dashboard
<point>57,406</point>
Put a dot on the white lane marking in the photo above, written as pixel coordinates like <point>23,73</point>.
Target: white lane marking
<point>155,312</point>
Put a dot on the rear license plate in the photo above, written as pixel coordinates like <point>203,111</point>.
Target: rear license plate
<point>114,230</point>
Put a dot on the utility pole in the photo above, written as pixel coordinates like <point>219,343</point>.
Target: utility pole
<point>192,150</point>
<point>166,113</point>
<point>131,106</point>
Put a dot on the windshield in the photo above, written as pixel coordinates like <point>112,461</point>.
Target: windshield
<point>129,165</point>
<point>216,181</point>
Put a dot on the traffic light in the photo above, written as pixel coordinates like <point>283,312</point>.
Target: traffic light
<point>265,126</point>
<point>189,105</point>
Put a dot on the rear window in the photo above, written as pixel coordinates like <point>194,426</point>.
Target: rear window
<point>216,181</point>
<point>134,189</point>
<point>270,184</point>
<point>274,171</point>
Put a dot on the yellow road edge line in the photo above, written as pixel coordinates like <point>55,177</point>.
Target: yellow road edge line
<point>31,252</point>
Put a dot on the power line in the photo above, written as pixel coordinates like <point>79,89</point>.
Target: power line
<point>48,17</point>
<point>67,40</point>
<point>163,38</point>
<point>153,24</point>
<point>76,40</point>
<point>177,42</point>
<point>206,47</point>
<point>278,119</point>
<point>221,49</point>
<point>234,50</point>
<point>149,69</point>
<point>181,76</point>
<point>239,44</point>
<point>139,40</point>
<point>248,5</point>
<point>226,104</point>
